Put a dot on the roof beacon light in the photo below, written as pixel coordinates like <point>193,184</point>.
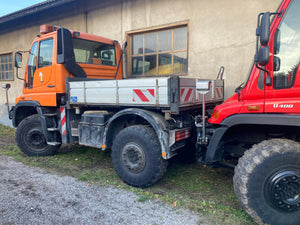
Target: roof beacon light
<point>44,29</point>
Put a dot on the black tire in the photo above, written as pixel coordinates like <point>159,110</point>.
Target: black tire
<point>31,140</point>
<point>267,182</point>
<point>136,156</point>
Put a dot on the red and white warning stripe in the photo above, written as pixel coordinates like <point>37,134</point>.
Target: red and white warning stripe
<point>143,95</point>
<point>63,120</point>
<point>219,92</point>
<point>186,95</point>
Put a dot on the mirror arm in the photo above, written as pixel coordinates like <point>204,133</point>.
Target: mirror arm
<point>268,80</point>
<point>20,78</point>
<point>278,14</point>
<point>17,75</point>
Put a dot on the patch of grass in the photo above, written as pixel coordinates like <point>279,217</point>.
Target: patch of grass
<point>205,190</point>
<point>6,131</point>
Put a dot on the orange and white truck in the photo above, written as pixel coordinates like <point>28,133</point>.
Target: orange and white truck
<point>75,91</point>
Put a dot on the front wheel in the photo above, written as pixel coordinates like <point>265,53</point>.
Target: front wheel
<point>267,182</point>
<point>136,156</point>
<point>31,140</point>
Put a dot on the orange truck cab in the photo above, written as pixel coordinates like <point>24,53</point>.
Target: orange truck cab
<point>59,53</point>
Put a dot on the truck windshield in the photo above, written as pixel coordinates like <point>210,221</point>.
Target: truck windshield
<point>91,52</point>
<point>287,47</point>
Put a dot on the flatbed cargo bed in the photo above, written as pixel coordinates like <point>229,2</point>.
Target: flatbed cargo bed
<point>171,93</point>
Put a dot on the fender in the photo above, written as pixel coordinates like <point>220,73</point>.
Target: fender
<point>29,108</point>
<point>18,116</point>
<point>157,122</point>
<point>214,153</point>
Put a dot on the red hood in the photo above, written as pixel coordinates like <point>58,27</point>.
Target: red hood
<point>229,107</point>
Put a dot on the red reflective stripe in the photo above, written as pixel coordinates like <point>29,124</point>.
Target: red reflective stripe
<point>151,91</point>
<point>140,94</point>
<point>181,91</point>
<point>188,95</point>
<point>63,121</point>
<point>218,92</point>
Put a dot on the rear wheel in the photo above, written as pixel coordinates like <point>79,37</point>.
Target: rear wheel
<point>31,140</point>
<point>267,182</point>
<point>136,156</point>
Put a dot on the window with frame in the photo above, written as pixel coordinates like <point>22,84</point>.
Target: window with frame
<point>6,68</point>
<point>91,52</point>
<point>159,52</point>
<point>45,53</point>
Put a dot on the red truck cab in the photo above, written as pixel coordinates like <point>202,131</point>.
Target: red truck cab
<point>282,94</point>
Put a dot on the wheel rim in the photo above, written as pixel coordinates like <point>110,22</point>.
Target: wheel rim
<point>36,140</point>
<point>133,157</point>
<point>283,190</point>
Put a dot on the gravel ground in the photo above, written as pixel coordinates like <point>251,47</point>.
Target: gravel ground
<point>31,196</point>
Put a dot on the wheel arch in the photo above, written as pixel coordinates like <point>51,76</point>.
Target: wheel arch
<point>22,110</point>
<point>214,149</point>
<point>133,116</point>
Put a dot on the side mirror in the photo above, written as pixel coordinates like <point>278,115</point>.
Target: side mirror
<point>276,64</point>
<point>265,28</point>
<point>262,57</point>
<point>18,59</point>
<point>65,53</point>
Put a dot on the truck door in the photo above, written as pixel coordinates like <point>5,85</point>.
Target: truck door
<point>40,66</point>
<point>284,93</point>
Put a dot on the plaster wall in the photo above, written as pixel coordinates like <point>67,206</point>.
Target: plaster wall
<point>220,33</point>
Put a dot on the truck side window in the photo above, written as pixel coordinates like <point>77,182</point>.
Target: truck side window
<point>91,52</point>
<point>32,63</point>
<point>45,53</point>
<point>288,48</point>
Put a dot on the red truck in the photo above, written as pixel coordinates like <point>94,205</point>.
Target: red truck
<point>147,121</point>
<point>260,123</point>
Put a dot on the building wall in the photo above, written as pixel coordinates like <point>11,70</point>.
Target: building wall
<point>221,33</point>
